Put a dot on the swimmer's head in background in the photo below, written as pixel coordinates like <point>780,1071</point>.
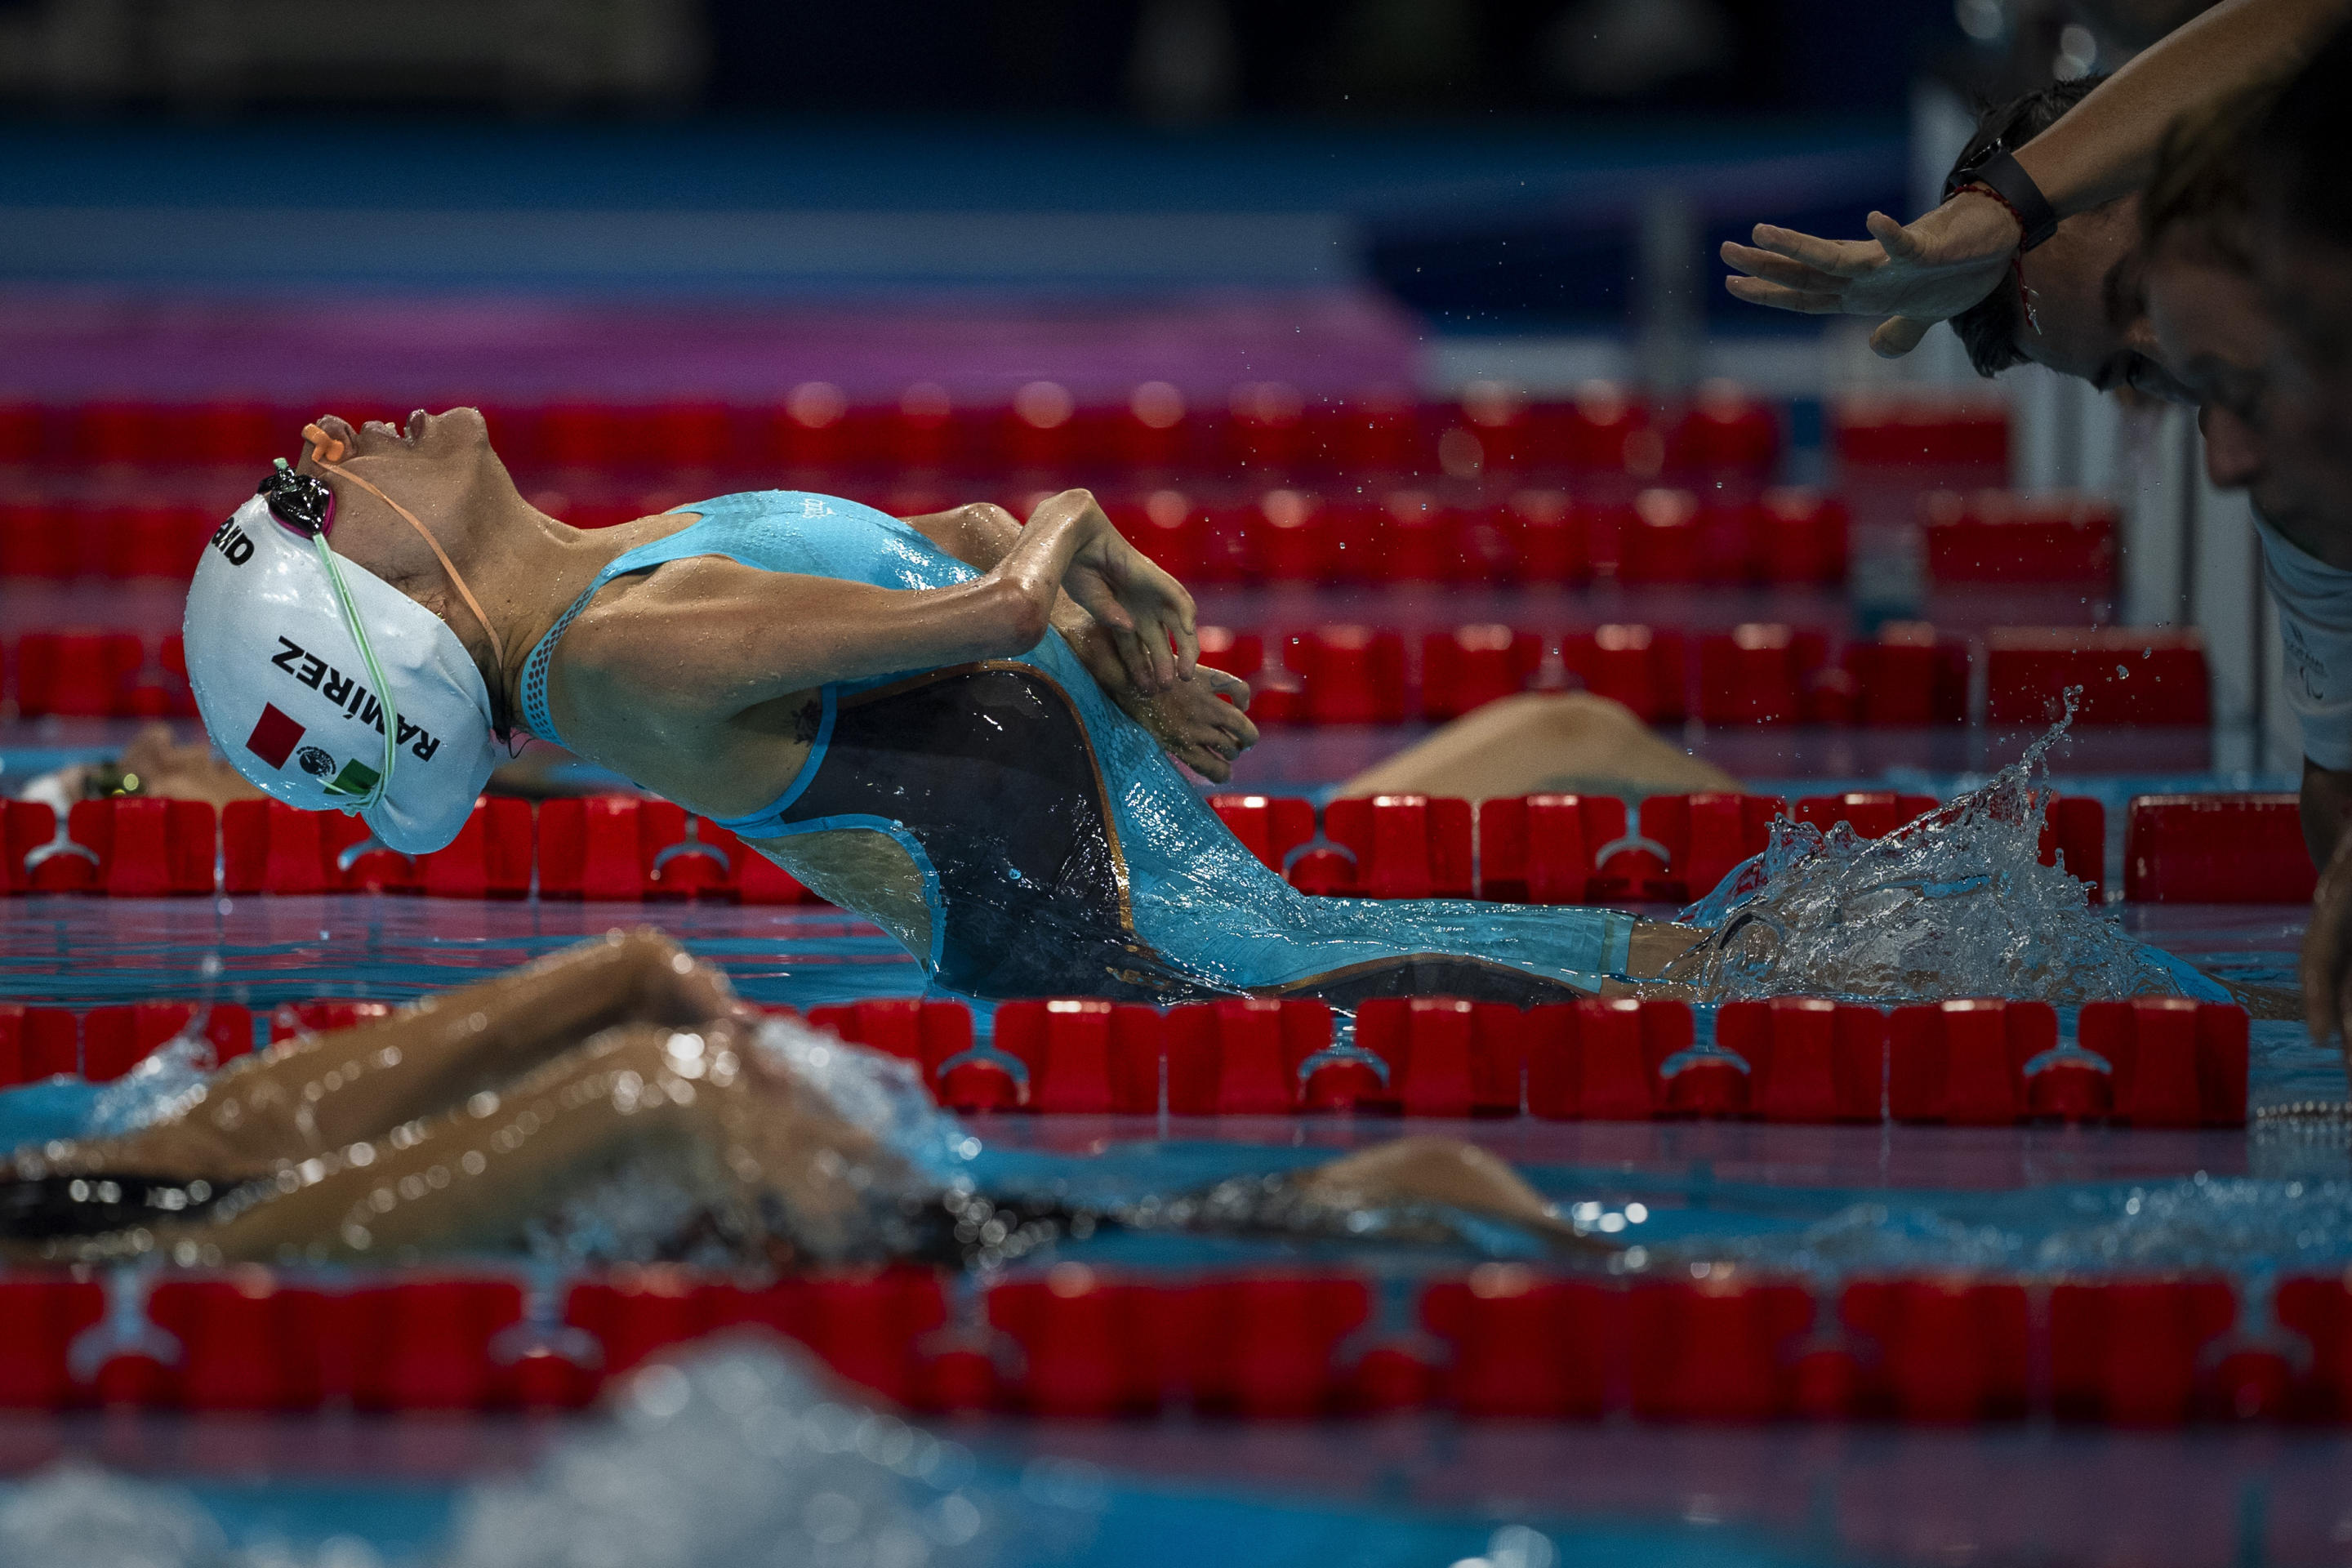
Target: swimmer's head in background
<point>327,686</point>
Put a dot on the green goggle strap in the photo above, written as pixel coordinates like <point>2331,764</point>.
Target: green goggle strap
<point>375,673</point>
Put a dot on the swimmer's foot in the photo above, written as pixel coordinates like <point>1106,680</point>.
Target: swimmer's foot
<point>1654,990</point>
<point>1656,944</point>
<point>2269,1003</point>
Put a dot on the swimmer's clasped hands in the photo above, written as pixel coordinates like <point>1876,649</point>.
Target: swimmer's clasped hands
<point>1148,613</point>
<point>1199,722</point>
<point>1133,626</point>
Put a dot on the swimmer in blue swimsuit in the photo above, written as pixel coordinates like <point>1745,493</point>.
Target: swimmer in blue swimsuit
<point>955,725</point>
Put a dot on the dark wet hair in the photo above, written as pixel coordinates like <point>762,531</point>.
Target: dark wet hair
<point>2302,145</point>
<point>1988,329</point>
<point>2199,191</point>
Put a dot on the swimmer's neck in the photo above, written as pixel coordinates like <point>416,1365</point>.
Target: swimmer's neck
<point>527,568</point>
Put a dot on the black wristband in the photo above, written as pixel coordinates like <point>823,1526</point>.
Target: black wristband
<point>2000,174</point>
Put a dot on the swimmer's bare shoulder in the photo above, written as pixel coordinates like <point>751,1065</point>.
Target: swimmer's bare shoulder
<point>662,658</point>
<point>661,678</point>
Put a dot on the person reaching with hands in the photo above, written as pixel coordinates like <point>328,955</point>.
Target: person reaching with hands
<point>2204,302</point>
<point>2061,166</point>
<point>2105,231</point>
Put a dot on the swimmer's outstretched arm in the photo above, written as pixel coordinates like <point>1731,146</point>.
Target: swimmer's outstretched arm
<point>672,679</point>
<point>320,1092</point>
<point>2102,149</point>
<point>471,1177</point>
<point>696,648</point>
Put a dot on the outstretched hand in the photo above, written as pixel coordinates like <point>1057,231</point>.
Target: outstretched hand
<point>2328,951</point>
<point>1914,275</point>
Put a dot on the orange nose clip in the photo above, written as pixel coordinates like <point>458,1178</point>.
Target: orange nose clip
<point>323,447</point>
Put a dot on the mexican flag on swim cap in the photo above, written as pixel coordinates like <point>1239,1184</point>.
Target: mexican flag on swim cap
<point>328,688</point>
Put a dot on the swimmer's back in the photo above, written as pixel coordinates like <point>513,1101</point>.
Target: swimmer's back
<point>807,535</point>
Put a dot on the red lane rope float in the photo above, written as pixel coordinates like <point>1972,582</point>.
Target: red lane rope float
<point>1540,848</point>
<point>1755,673</point>
<point>1502,1341</point>
<point>1725,433</point>
<point>2150,1062</point>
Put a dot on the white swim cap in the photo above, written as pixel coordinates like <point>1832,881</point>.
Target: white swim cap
<point>326,685</point>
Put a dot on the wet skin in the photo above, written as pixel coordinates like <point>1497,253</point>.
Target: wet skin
<point>2085,321</point>
<point>448,1125</point>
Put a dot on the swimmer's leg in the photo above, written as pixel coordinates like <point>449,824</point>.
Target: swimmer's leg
<point>1656,944</point>
<point>1652,946</point>
<point>2274,1002</point>
<point>320,1092</point>
<point>2265,1002</point>
<point>1536,741</point>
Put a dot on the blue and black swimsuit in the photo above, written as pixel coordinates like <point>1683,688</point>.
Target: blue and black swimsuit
<point>1061,852</point>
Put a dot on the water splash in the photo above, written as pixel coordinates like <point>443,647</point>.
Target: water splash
<point>739,1451</point>
<point>1956,903</point>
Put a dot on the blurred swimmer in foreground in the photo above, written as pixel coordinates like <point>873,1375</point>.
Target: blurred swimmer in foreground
<point>157,764</point>
<point>955,725</point>
<point>468,1121</point>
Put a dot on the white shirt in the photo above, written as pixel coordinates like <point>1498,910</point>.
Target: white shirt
<point>2314,612</point>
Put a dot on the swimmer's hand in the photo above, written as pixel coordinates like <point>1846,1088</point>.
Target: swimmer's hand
<point>1147,613</point>
<point>1199,722</point>
<point>2328,950</point>
<point>1194,722</point>
<point>1913,274</point>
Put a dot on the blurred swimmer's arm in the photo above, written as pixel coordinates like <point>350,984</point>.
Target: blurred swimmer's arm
<point>1424,1169</point>
<point>1929,270</point>
<point>2327,942</point>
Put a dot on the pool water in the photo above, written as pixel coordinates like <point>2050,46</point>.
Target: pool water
<point>1419,1490</point>
<point>1768,1188</point>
